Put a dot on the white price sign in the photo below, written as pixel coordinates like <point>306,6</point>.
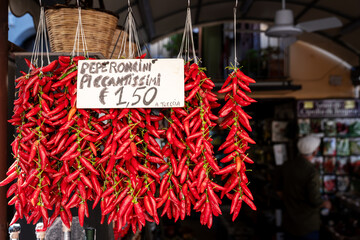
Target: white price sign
<point>130,83</point>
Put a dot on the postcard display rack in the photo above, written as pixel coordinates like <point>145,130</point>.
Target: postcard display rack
<point>337,123</point>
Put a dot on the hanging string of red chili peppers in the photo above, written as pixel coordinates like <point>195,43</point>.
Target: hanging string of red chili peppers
<point>237,141</point>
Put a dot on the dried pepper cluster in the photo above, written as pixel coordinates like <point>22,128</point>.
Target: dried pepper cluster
<point>237,141</point>
<point>66,156</point>
<point>190,153</point>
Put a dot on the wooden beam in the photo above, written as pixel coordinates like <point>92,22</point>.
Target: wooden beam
<point>245,6</point>
<point>147,18</point>
<point>350,27</point>
<point>305,10</point>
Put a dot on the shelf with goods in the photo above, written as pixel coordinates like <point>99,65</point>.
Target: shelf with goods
<point>336,122</point>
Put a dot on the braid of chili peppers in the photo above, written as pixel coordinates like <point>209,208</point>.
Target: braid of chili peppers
<point>236,144</point>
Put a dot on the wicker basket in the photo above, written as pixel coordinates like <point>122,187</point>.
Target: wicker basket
<point>98,27</point>
<point>118,44</point>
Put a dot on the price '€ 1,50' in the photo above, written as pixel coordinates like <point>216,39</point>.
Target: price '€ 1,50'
<point>130,83</point>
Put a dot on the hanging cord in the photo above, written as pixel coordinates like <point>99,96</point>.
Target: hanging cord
<point>79,35</point>
<point>187,42</point>
<point>132,37</point>
<point>41,42</point>
<point>235,51</point>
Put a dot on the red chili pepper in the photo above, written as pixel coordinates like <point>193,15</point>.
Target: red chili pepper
<point>229,157</point>
<point>70,150</point>
<point>244,96</point>
<point>247,139</point>
<point>49,68</point>
<point>238,163</point>
<point>166,208</point>
<point>29,64</point>
<point>154,150</point>
<point>217,187</point>
<point>164,198</point>
<point>65,218</point>
<point>110,165</point>
<point>31,82</point>
<point>73,175</point>
<point>232,184</point>
<point>228,107</point>
<point>200,202</point>
<point>81,214</point>
<point>149,171</point>
<point>123,147</point>
<point>56,117</point>
<point>74,200</point>
<point>246,190</point>
<point>226,169</point>
<point>226,89</point>
<point>192,114</point>
<point>45,200</point>
<point>34,198</point>
<point>237,209</point>
<point>44,105</point>
<point>88,166</point>
<point>243,86</point>
<point>243,77</point>
<point>173,197</point>
<point>56,213</point>
<point>139,213</point>
<point>125,204</point>
<point>211,161</point>
<point>64,80</point>
<point>248,202</point>
<point>11,190</point>
<point>234,202</point>
<point>246,158</point>
<point>133,149</point>
<point>95,184</point>
<point>204,185</point>
<point>148,205</point>
<point>9,179</point>
<point>86,181</point>
<point>33,111</point>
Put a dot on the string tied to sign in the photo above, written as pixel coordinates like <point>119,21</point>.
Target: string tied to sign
<point>187,43</point>
<point>41,41</point>
<point>79,36</point>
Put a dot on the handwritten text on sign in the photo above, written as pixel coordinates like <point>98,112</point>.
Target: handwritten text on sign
<point>130,83</point>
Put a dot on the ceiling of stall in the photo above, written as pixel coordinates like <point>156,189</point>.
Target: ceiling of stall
<point>159,18</point>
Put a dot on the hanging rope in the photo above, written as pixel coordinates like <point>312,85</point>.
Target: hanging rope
<point>235,51</point>
<point>127,43</point>
<point>41,41</point>
<point>80,34</point>
<point>187,42</point>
